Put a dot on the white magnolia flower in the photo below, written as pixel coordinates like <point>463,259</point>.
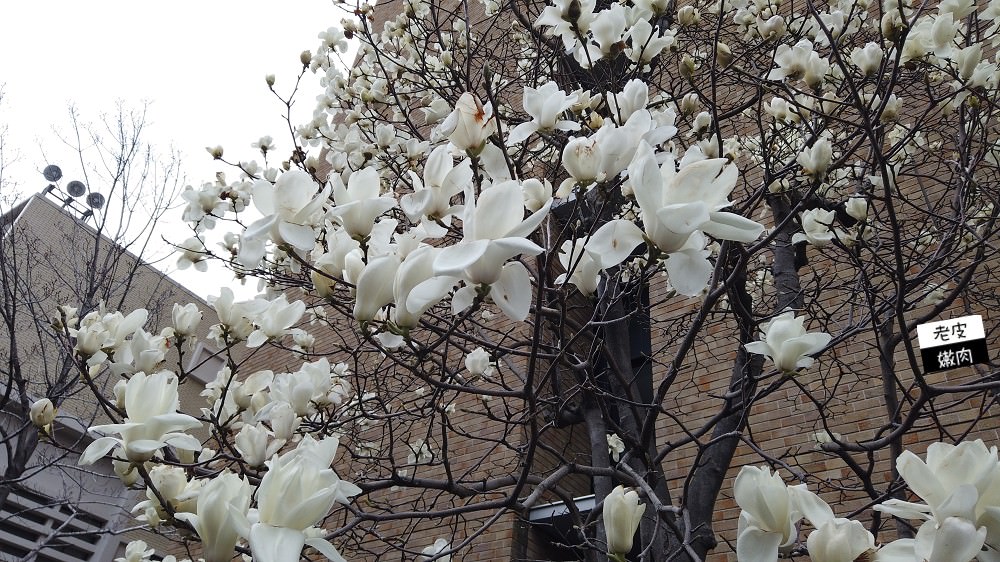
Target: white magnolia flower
<point>470,124</point>
<point>442,180</point>
<point>495,231</point>
<point>800,62</point>
<point>677,206</point>
<point>297,492</point>
<point>274,318</point>
<point>252,444</point>
<point>291,207</point>
<point>430,552</point>
<point>359,202</point>
<point>769,513</point>
<point>566,18</point>
<point>185,318</point>
<point>192,252</point>
<point>479,364</point>
<point>222,506</point>
<point>584,270</point>
<point>952,475</point>
<point>815,160</point>
<point>545,105</point>
<point>622,514</point>
<point>582,160</point>
<point>42,413</point>
<point>839,540</point>
<point>867,58</point>
<point>136,551</point>
<point>152,421</point>
<point>857,208</point>
<point>816,228</point>
<point>787,344</point>
<point>615,446</point>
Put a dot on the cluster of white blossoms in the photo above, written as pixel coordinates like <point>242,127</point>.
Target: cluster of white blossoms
<point>960,516</point>
<point>275,513</point>
<point>441,196</point>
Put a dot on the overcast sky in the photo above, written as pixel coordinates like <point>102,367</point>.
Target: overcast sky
<point>201,65</point>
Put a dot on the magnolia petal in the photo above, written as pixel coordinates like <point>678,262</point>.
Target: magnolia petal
<point>900,550</point>
<point>498,211</point>
<point>97,450</point>
<point>955,540</point>
<point>463,299</point>
<point>759,347</point>
<point>961,503</point>
<point>817,511</point>
<point>529,224</point>
<point>614,242</point>
<point>300,236</point>
<point>904,509</point>
<point>256,339</point>
<point>689,272</point>
<point>521,132</point>
<point>512,293</point>
<point>730,226</point>
<point>921,479</point>
<point>275,544</point>
<point>709,181</point>
<point>672,226</point>
<point>453,260</point>
<point>142,447</point>
<point>494,162</point>
<point>757,545</point>
<point>374,287</point>
<point>262,193</point>
<point>428,293</point>
<point>183,441</point>
<point>326,549</point>
<point>647,182</point>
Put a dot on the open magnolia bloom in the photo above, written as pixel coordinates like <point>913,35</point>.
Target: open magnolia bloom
<point>152,421</point>
<point>545,105</point>
<point>360,202</point>
<point>297,492</point>
<point>431,198</point>
<point>839,540</point>
<point>676,207</point>
<point>290,207</point>
<point>495,231</point>
<point>961,485</point>
<point>770,513</point>
<point>787,344</point>
<point>221,506</point>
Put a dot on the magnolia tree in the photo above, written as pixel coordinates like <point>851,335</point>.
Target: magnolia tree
<point>85,258</point>
<point>527,252</point>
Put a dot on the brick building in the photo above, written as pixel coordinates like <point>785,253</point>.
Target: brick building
<point>52,255</point>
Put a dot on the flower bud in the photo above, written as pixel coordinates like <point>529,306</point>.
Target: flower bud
<point>185,319</point>
<point>622,513</point>
<point>42,413</point>
<point>688,16</point>
<point>269,79</point>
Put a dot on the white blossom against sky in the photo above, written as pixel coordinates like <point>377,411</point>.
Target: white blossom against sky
<point>200,64</point>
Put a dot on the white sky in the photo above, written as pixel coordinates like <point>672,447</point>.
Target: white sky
<point>200,64</point>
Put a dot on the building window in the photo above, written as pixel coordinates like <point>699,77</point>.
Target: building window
<point>205,364</point>
<point>54,530</point>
